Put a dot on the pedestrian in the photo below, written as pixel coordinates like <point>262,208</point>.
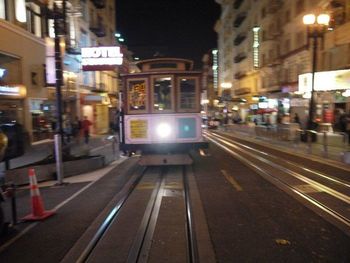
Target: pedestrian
<point>76,125</point>
<point>348,126</point>
<point>86,129</point>
<point>67,129</point>
<point>296,118</point>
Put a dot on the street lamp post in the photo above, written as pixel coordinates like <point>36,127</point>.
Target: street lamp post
<point>316,27</point>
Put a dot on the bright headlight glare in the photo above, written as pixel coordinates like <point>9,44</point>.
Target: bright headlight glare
<point>163,130</point>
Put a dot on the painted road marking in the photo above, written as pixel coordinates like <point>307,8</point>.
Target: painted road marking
<point>232,180</point>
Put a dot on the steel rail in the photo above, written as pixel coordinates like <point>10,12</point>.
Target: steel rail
<point>143,241</point>
<point>324,176</point>
<point>109,219</point>
<point>191,236</point>
<point>323,207</point>
<point>315,184</point>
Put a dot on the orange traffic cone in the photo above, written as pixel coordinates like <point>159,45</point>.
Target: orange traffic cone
<point>38,211</point>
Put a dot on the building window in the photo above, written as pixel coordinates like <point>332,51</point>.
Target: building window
<point>271,55</point>
<point>3,9</point>
<point>287,45</point>
<point>263,12</point>
<point>263,59</point>
<point>34,19</point>
<point>299,7</point>
<point>84,10</point>
<point>287,16</point>
<point>300,39</point>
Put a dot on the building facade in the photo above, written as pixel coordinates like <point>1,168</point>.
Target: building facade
<point>268,50</point>
<point>27,64</point>
<point>91,93</point>
<point>22,61</point>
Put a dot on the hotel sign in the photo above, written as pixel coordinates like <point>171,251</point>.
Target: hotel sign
<point>100,58</point>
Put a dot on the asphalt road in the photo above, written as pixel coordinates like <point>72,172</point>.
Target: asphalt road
<point>249,219</point>
<point>253,221</point>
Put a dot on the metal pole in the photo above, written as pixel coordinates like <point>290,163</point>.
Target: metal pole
<point>314,63</point>
<point>58,63</point>
<point>325,144</point>
<point>59,132</point>
<point>58,155</point>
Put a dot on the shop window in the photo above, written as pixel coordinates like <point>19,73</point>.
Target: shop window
<point>137,92</point>
<point>187,94</point>
<point>162,90</point>
<point>10,70</point>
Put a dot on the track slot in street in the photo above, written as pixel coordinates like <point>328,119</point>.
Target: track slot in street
<point>325,194</point>
<point>152,222</point>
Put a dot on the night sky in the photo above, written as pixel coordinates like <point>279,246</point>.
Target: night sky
<point>180,28</point>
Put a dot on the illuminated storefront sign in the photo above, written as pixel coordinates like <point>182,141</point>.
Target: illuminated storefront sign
<point>13,91</point>
<point>215,68</point>
<point>101,58</point>
<point>325,81</point>
<point>256,44</point>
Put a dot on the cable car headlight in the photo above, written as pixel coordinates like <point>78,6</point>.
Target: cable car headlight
<point>163,130</point>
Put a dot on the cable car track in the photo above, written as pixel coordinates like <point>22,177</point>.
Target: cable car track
<point>334,206</point>
<point>159,185</point>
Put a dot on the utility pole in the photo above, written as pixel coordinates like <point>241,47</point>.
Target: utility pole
<point>58,16</point>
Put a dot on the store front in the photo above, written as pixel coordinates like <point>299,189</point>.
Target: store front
<point>95,108</point>
<point>12,104</point>
<point>330,93</point>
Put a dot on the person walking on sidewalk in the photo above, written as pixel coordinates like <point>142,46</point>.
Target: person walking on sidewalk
<point>76,129</point>
<point>86,129</point>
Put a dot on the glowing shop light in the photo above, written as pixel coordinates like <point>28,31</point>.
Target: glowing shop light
<point>309,19</point>
<point>226,85</point>
<point>346,93</point>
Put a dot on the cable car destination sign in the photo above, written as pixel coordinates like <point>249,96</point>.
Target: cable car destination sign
<point>100,58</point>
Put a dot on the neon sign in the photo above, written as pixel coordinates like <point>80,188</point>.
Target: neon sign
<point>100,58</point>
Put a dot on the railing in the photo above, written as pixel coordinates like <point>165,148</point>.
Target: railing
<point>326,144</point>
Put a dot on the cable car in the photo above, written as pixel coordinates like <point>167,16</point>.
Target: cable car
<point>160,113</point>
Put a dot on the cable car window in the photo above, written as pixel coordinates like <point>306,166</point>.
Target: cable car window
<point>137,100</point>
<point>163,94</point>
<point>188,94</point>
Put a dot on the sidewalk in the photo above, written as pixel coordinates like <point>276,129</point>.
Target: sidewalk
<point>98,145</point>
<point>319,150</point>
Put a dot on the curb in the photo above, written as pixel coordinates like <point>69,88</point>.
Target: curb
<point>47,172</point>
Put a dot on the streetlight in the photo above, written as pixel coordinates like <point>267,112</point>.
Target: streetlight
<point>316,27</point>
